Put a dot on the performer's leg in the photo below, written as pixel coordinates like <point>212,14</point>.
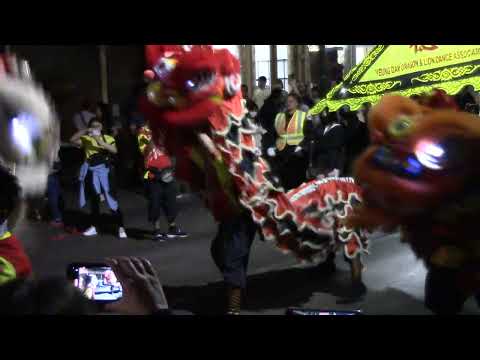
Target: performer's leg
<point>217,249</point>
<point>154,204</point>
<point>250,231</point>
<point>238,241</point>
<point>237,237</point>
<point>356,267</point>
<point>442,295</point>
<point>328,267</point>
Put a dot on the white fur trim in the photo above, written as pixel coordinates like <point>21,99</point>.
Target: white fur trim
<point>233,84</point>
<point>32,179</point>
<point>25,96</point>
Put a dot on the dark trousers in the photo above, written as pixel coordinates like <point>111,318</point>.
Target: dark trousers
<point>161,196</point>
<point>290,168</point>
<point>231,249</point>
<point>442,293</point>
<point>53,195</point>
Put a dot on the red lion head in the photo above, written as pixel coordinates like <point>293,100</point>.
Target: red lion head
<point>188,83</point>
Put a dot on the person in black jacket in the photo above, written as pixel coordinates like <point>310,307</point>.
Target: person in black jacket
<point>357,137</point>
<point>273,105</point>
<point>325,145</point>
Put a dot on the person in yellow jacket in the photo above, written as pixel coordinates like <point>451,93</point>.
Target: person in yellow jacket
<point>95,174</point>
<point>286,155</point>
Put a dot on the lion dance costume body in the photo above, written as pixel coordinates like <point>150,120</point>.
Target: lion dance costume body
<point>29,141</point>
<point>421,174</point>
<point>194,99</point>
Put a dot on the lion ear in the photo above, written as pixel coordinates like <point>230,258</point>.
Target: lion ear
<point>230,69</point>
<point>229,63</point>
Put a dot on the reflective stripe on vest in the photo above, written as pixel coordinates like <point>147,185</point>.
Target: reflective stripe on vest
<point>7,270</point>
<point>5,235</point>
<point>293,134</point>
<point>144,138</point>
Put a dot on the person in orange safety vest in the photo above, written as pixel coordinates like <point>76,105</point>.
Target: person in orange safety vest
<point>286,155</point>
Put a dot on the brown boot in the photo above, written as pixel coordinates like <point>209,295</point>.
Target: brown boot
<point>234,297</point>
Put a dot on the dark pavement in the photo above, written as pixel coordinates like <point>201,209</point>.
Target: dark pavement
<point>393,276</point>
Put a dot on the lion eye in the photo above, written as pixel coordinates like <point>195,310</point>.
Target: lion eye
<point>401,126</point>
<point>200,80</point>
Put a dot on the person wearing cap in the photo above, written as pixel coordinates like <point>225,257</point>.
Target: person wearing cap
<point>261,92</point>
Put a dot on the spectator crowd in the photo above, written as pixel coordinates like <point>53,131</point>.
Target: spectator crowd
<point>301,147</point>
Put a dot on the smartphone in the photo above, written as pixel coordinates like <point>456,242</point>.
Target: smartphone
<point>96,281</point>
<point>313,312</point>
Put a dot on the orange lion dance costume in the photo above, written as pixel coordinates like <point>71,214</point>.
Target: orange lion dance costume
<point>194,99</point>
<point>420,174</point>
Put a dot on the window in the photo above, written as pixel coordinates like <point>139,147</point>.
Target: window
<point>361,51</point>
<point>282,65</point>
<point>340,52</point>
<point>262,62</point>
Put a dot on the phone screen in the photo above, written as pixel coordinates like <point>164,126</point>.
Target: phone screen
<point>96,282</point>
<point>306,312</point>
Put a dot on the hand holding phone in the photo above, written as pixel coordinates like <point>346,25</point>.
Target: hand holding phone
<point>136,287</point>
<point>143,292</point>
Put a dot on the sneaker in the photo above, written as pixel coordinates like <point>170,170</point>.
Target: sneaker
<point>159,236</point>
<point>91,231</point>
<point>175,232</point>
<point>121,233</point>
<point>102,198</point>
